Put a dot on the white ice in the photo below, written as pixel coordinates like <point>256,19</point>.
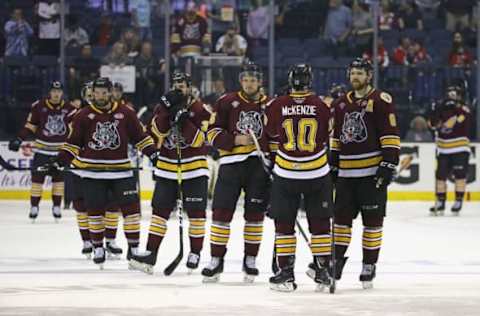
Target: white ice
<point>428,266</point>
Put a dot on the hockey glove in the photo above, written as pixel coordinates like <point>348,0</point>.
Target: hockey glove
<point>53,165</point>
<point>154,158</point>
<point>385,173</point>
<point>14,144</point>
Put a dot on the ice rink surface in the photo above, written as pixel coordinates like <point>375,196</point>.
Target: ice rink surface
<point>428,266</point>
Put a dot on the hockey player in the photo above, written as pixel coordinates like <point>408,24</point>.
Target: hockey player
<point>299,124</point>
<point>365,150</point>
<point>178,112</point>
<point>98,143</point>
<point>451,122</point>
<point>240,169</point>
<point>47,123</point>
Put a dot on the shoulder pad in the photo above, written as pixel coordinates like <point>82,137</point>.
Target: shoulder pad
<point>386,97</point>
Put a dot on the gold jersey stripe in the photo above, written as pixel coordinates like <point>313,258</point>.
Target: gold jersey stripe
<point>360,163</point>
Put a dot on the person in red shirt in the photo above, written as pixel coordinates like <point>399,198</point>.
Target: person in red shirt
<point>459,56</point>
<point>383,58</point>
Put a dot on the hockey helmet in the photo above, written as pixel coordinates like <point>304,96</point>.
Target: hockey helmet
<point>300,77</point>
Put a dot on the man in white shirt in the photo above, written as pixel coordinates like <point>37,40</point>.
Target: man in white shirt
<point>231,43</point>
<point>49,27</point>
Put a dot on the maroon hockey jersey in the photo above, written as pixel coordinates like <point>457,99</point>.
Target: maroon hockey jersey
<point>48,124</point>
<point>298,124</point>
<point>452,126</point>
<point>189,35</point>
<point>235,115</point>
<point>192,142</point>
<point>99,140</point>
<point>365,133</point>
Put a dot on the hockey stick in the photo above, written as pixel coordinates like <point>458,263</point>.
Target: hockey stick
<point>265,164</point>
<point>173,265</point>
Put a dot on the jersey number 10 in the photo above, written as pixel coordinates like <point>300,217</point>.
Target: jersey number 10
<point>306,134</point>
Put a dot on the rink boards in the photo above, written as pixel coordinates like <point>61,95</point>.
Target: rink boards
<point>415,181</point>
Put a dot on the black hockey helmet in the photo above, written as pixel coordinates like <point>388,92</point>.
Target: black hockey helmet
<point>102,82</point>
<point>300,77</point>
<point>337,90</point>
<point>179,76</point>
<point>118,86</point>
<point>360,63</point>
<point>251,69</point>
<point>56,85</point>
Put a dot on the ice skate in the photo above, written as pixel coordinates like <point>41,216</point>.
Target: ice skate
<point>456,207</point>
<point>438,209</point>
<point>367,275</point>
<point>193,260</point>
<point>250,269</point>
<point>33,213</point>
<point>57,213</point>
<point>322,274</point>
<point>87,249</point>
<point>99,257</point>
<point>113,251</point>
<point>143,262</point>
<point>283,281</point>
<point>212,271</point>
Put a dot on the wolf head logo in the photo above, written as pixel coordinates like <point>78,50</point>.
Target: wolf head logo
<point>354,128</point>
<point>55,125</point>
<point>106,136</point>
<point>250,121</point>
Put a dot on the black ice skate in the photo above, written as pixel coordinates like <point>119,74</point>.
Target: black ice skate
<point>113,251</point>
<point>99,257</point>
<point>33,213</point>
<point>311,270</point>
<point>193,260</point>
<point>211,273</point>
<point>438,209</point>
<point>87,249</point>
<point>322,274</point>
<point>131,252</point>
<point>284,280</point>
<point>143,261</point>
<point>57,213</point>
<point>249,268</point>
<point>456,207</point>
<point>367,275</point>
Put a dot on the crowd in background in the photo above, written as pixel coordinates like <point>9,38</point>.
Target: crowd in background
<point>130,32</point>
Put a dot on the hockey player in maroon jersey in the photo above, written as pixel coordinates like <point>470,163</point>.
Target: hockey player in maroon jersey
<point>178,109</point>
<point>98,143</point>
<point>47,123</point>
<point>364,153</point>
<point>451,121</point>
<point>240,169</point>
<point>299,124</point>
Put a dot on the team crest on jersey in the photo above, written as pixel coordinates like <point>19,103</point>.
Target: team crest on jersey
<point>55,125</point>
<point>171,141</point>
<point>106,136</point>
<point>250,120</point>
<point>354,128</point>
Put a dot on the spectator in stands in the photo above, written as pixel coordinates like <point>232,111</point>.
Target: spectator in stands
<point>222,14</point>
<point>418,131</point>
<point>410,53</point>
<point>149,76</point>
<point>49,27</point>
<point>117,57</point>
<point>387,17</point>
<point>258,22</point>
<point>17,32</point>
<point>190,34</point>
<point>410,16</point>
<point>106,33</point>
<point>362,26</point>
<point>218,91</point>
<point>338,26</point>
<point>85,68</point>
<point>231,43</point>
<point>75,35</point>
<point>458,14</point>
<point>459,55</point>
<point>141,11</point>
<point>132,42</point>
<point>383,58</point>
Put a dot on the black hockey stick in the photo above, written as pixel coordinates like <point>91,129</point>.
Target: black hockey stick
<point>264,161</point>
<point>9,167</point>
<point>172,266</point>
